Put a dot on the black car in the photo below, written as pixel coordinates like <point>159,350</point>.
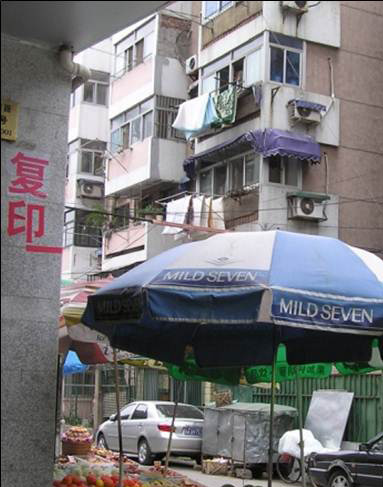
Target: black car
<point>362,468</point>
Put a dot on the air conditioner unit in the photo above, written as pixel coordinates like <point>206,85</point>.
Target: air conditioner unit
<point>306,208</point>
<point>90,190</point>
<point>295,7</point>
<point>303,115</point>
<point>191,64</point>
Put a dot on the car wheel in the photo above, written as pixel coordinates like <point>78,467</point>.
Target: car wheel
<point>339,479</point>
<point>101,442</point>
<point>145,456</point>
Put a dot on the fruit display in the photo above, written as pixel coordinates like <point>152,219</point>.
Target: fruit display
<point>100,469</point>
<point>95,479</point>
<point>77,434</point>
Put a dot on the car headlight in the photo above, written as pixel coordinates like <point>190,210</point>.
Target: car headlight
<point>311,461</point>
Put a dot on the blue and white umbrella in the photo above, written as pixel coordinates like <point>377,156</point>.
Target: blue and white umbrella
<point>218,298</point>
<point>225,299</point>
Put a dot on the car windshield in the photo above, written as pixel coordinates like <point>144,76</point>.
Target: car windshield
<point>182,411</point>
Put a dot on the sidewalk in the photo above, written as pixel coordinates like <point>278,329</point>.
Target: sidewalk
<point>220,480</point>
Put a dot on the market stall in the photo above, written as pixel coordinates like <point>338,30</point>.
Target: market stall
<point>96,467</point>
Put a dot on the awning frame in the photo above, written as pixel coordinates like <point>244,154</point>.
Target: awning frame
<point>268,142</point>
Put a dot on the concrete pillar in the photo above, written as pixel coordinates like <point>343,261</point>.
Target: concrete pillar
<point>31,259</point>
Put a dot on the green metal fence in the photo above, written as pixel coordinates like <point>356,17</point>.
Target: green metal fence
<point>366,416</point>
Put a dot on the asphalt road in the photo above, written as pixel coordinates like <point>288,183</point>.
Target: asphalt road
<point>220,480</point>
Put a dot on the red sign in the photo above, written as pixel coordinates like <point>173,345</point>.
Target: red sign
<point>29,218</point>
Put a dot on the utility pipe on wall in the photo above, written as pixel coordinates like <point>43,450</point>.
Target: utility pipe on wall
<point>80,73</point>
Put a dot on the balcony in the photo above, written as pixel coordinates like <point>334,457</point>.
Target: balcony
<point>144,164</point>
<point>88,121</point>
<point>134,244</point>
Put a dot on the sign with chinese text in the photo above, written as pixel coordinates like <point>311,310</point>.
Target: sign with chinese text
<point>27,217</point>
<point>9,120</point>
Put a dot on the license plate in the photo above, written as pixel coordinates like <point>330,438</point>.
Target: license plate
<point>192,430</point>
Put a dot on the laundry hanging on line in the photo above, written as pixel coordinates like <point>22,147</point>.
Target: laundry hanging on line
<point>195,116</point>
<point>199,211</point>
<point>198,115</point>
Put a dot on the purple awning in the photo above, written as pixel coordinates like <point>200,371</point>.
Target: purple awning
<point>318,107</point>
<point>268,142</point>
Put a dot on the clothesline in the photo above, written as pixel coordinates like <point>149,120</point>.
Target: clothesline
<point>199,211</point>
<point>239,85</point>
<point>192,193</point>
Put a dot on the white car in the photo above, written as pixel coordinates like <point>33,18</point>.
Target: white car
<point>146,429</point>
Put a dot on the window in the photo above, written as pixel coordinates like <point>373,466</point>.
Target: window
<point>223,78</point>
<point>147,128</point>
<point>126,412</point>
<point>95,93</point>
<point>213,8</point>
<point>253,67</point>
<point>128,59</point>
<point>252,169</point>
<point>182,411</point>
<point>242,66</point>
<point>166,112</point>
<point>92,162</point>
<point>219,181</point>
<point>285,59</point>
<point>283,170</point>
<point>79,385</point>
<point>141,412</point>
<point>139,48</point>
<point>79,232</point>
<point>230,175</point>
<point>132,126</point>
<point>121,217</point>
<point>134,49</point>
<point>237,169</point>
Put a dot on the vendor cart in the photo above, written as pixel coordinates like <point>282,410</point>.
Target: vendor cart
<point>240,432</point>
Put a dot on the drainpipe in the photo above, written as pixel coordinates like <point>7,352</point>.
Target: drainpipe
<point>80,73</point>
<point>332,85</point>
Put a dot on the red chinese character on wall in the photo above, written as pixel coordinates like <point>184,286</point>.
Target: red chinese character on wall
<point>29,175</point>
<point>28,218</point>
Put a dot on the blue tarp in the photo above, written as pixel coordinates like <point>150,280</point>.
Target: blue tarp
<point>73,365</point>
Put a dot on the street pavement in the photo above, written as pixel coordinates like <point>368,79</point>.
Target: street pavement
<point>220,480</point>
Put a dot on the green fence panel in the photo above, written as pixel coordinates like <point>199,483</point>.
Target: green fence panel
<point>366,415</point>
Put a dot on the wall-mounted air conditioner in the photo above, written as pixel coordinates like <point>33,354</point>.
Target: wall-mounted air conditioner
<point>191,64</point>
<point>90,190</point>
<point>303,115</point>
<point>294,7</point>
<point>306,207</point>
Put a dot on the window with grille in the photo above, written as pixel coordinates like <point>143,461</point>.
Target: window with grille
<point>166,113</point>
<point>79,231</point>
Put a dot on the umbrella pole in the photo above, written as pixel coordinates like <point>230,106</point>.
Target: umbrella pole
<point>300,419</point>
<point>170,436</point>
<point>271,428</point>
<point>120,459</point>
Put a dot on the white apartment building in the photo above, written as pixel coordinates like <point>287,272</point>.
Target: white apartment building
<point>87,142</point>
<point>285,161</point>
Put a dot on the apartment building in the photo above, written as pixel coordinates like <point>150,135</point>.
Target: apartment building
<point>302,149</point>
<point>145,164</point>
<point>88,135</point>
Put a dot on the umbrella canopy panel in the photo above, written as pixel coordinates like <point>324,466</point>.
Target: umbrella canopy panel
<point>215,300</point>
